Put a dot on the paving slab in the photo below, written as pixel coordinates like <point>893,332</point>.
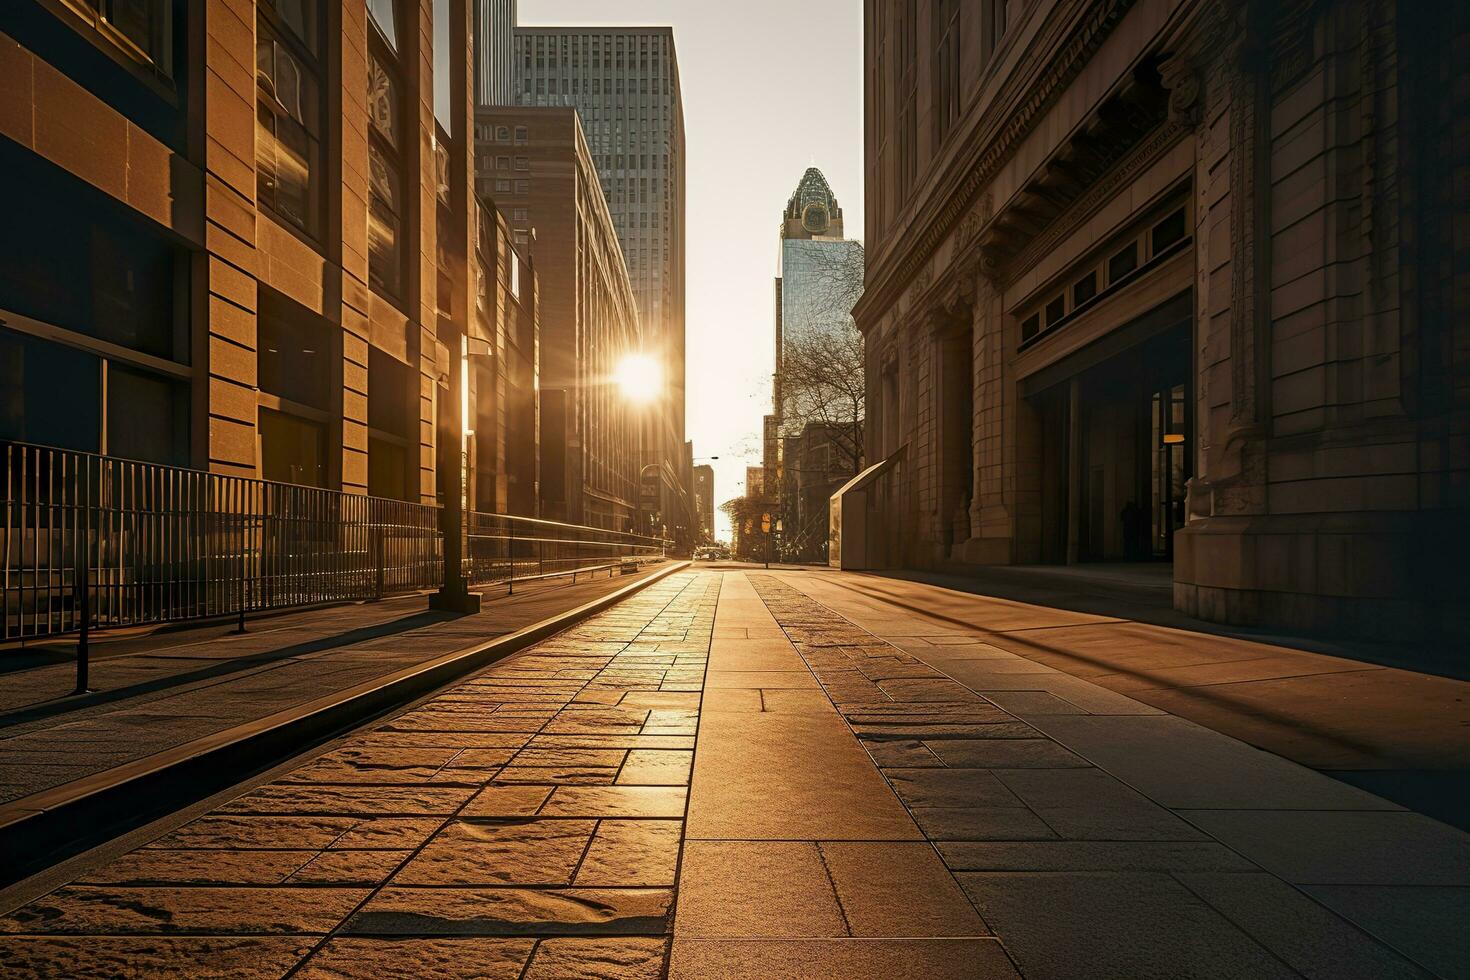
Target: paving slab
<point>780,776</point>
<point>1304,934</point>
<point>1118,924</point>
<point>756,889</point>
<point>841,959</point>
<point>1425,923</point>
<point>349,958</point>
<point>1326,847</point>
<point>1183,765</point>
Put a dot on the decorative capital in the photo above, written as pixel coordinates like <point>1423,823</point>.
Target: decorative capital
<point>1182,80</point>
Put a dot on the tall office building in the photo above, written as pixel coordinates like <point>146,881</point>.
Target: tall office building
<point>495,24</point>
<point>813,443</point>
<point>259,273</point>
<point>704,502</point>
<point>535,162</point>
<point>624,83</point>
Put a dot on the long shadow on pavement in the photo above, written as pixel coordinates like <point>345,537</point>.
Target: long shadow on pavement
<point>237,665</point>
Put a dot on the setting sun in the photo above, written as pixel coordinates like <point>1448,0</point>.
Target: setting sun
<point>640,378</point>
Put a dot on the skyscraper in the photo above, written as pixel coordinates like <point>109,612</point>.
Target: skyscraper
<point>535,161</point>
<point>495,23</point>
<point>624,83</point>
<point>814,441</point>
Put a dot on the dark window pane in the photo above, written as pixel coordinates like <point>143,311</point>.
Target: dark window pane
<point>295,359</point>
<point>49,394</point>
<point>387,469</point>
<point>1030,327</point>
<point>1122,263</point>
<point>1168,231</point>
<point>300,17</point>
<point>1084,289</point>
<point>292,449</point>
<point>70,258</point>
<point>147,416</point>
<point>1056,309</point>
<point>388,395</point>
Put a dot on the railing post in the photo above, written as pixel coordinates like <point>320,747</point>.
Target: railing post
<point>83,589</point>
<point>244,580</point>
<point>376,537</point>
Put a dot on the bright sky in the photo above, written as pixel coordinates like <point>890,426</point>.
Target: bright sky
<point>771,87</point>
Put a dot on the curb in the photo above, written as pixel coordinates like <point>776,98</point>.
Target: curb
<point>44,828</point>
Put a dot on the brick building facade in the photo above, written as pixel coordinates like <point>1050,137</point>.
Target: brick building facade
<point>1175,280</point>
<point>242,236</point>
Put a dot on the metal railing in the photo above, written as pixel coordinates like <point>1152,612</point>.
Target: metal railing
<point>92,542</point>
<point>506,550</point>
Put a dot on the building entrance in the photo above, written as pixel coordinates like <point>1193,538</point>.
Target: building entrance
<point>1114,451</point>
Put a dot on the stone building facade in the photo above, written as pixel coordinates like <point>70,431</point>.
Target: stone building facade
<point>1176,280</point>
<point>240,236</point>
<point>535,161</point>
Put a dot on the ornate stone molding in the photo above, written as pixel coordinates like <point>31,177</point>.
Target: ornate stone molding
<point>1097,195</point>
<point>1006,128</point>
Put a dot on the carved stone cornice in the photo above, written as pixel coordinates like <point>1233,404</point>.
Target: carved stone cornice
<point>996,139</point>
<point>1098,194</point>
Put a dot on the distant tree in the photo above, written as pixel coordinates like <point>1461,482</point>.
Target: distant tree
<point>824,383</point>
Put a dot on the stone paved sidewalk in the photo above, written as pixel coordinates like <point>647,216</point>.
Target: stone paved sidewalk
<point>722,777</point>
<point>501,829</point>
<point>174,687</point>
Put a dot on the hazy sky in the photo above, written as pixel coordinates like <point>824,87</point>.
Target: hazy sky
<point>771,87</point>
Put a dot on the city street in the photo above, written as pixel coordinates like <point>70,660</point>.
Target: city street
<point>742,773</point>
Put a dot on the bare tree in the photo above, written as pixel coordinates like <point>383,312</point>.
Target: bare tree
<point>820,373</point>
<point>823,383</point>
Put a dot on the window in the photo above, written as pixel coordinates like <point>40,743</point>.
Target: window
<point>294,356</point>
<point>292,449</point>
<point>948,89</point>
<point>521,136</point>
<point>908,131</point>
<point>502,187</point>
<point>992,26</point>
<point>385,18</point>
<point>1084,289</point>
<point>523,187</point>
<point>1124,261</point>
<point>1030,327</point>
<point>143,29</point>
<point>288,112</point>
<point>502,134</point>
<point>1055,310</point>
<point>523,163</point>
<point>520,216</point>
<point>1168,232</point>
<point>386,140</point>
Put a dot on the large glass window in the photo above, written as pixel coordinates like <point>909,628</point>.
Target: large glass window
<point>288,112</point>
<point>49,394</point>
<point>386,141</point>
<point>142,28</point>
<point>295,355</point>
<point>292,449</point>
<point>147,416</point>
